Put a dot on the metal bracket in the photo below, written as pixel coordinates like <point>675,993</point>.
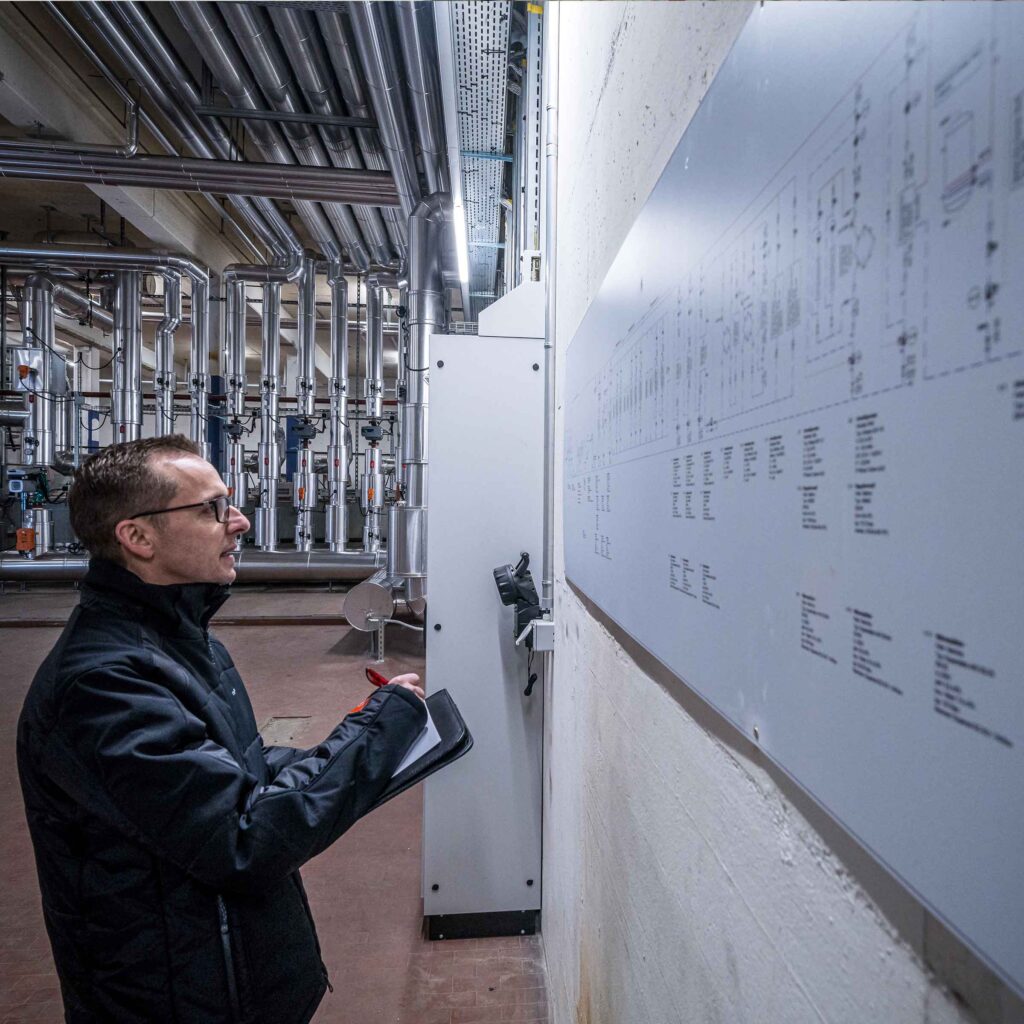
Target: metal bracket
<point>543,634</point>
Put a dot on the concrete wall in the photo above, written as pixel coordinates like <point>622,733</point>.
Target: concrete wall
<point>684,879</point>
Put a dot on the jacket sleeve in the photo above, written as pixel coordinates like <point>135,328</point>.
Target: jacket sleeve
<point>126,749</point>
<point>280,757</point>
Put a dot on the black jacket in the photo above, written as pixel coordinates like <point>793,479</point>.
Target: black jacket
<point>167,837</point>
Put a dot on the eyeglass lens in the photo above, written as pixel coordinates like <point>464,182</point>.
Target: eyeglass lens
<point>221,505</point>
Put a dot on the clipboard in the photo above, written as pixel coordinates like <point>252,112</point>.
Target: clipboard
<point>456,740</point>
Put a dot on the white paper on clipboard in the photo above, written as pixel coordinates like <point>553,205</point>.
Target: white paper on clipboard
<point>427,740</point>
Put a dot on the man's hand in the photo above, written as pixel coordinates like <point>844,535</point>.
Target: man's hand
<point>410,681</point>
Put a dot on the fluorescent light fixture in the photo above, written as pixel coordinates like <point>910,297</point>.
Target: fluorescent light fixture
<point>461,241</point>
<point>449,89</point>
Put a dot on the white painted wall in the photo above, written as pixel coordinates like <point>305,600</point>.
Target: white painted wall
<point>685,881</point>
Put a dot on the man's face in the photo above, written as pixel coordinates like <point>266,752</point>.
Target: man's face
<point>189,545</point>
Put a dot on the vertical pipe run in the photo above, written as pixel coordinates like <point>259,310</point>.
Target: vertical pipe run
<point>269,449</point>
<point>373,382</point>
<point>37,332</point>
<point>235,380</point>
<point>165,381</point>
<point>126,398</point>
<point>199,364</point>
<point>337,449</point>
<point>304,481</point>
<point>426,317</point>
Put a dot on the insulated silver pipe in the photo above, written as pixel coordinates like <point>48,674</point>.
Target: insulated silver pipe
<point>176,94</point>
<point>270,449</point>
<point>40,399</point>
<point>304,480</point>
<point>372,497</point>
<point>420,58</point>
<point>156,261</point>
<point>376,54</point>
<point>251,566</point>
<point>343,59</point>
<point>235,278</point>
<point>373,382</point>
<point>426,317</point>
<point>165,381</point>
<point>235,383</point>
<point>126,394</point>
<point>213,39</point>
<point>188,174</point>
<point>77,303</point>
<point>298,34</point>
<point>337,448</point>
<point>14,415</point>
<point>243,206</point>
<point>258,41</point>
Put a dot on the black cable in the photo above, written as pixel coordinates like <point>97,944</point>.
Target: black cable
<point>102,366</point>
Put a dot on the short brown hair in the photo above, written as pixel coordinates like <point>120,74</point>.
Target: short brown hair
<point>118,482</point>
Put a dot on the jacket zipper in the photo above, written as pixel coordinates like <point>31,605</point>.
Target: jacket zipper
<point>229,960</point>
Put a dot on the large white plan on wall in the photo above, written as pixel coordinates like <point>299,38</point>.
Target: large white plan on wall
<point>795,431</point>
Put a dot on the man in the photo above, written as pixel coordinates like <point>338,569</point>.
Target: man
<point>168,838</point>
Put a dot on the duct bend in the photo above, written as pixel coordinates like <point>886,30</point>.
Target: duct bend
<point>165,381</point>
<point>408,521</point>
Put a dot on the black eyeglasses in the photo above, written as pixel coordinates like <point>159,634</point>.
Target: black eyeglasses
<point>218,506</point>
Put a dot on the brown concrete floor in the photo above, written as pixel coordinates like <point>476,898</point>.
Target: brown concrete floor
<point>364,890</point>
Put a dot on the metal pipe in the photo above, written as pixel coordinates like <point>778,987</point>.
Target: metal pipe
<point>373,381</point>
<point>40,400</point>
<point>164,380</point>
<point>297,31</point>
<point>72,301</point>
<point>189,174</point>
<point>426,317</point>
<point>129,149</point>
<point>337,448</point>
<point>126,394</point>
<point>235,383</point>
<point>251,566</point>
<point>258,41</point>
<point>304,479</point>
<point>339,121</point>
<point>157,261</point>
<point>211,35</point>
<point>421,74</point>
<point>269,460</point>
<point>350,81</point>
<point>14,415</point>
<point>132,57</point>
<point>235,277</point>
<point>550,51</point>
<point>376,54</point>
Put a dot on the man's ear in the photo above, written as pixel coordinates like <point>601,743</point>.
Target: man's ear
<point>136,538</point>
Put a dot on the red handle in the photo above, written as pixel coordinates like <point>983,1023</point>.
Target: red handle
<point>376,678</point>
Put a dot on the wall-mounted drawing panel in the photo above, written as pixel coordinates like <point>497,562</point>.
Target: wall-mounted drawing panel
<point>794,425</point>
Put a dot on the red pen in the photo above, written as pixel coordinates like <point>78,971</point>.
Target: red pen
<point>376,678</point>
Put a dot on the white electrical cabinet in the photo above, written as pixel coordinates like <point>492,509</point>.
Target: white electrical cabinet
<point>482,815</point>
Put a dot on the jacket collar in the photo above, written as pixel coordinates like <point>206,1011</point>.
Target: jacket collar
<point>180,608</point>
